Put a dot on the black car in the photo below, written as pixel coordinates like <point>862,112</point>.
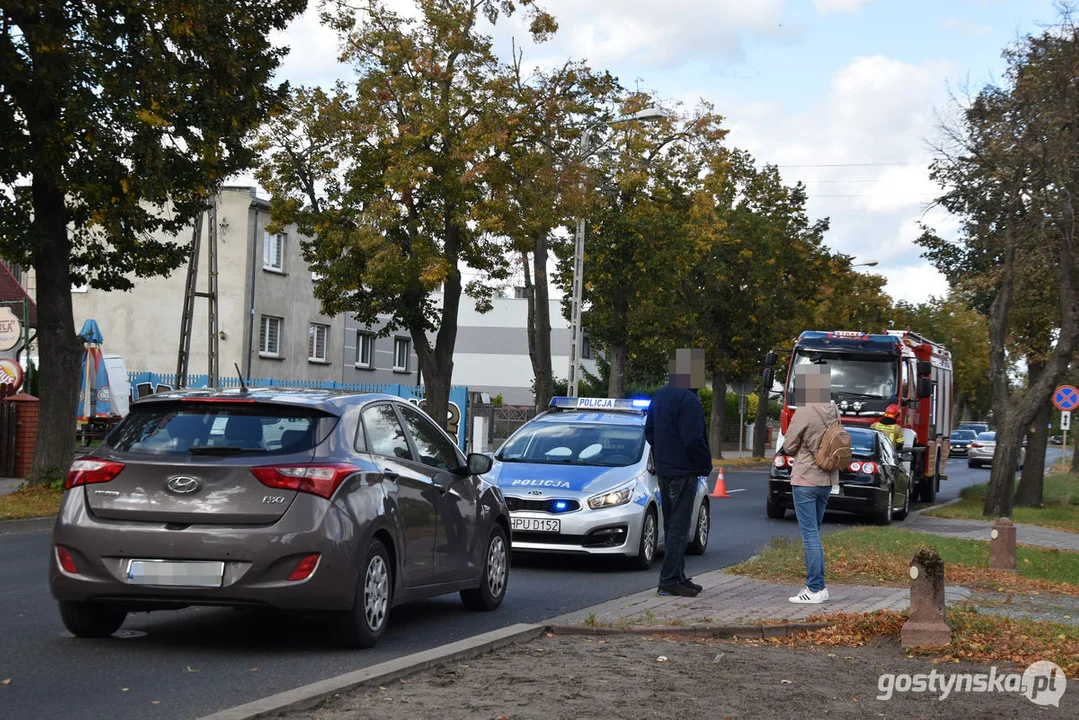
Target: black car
<point>960,441</point>
<point>1056,440</point>
<point>876,483</point>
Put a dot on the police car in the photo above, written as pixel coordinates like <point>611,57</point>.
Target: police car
<point>578,479</point>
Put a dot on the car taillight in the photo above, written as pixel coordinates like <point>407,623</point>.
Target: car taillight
<point>975,445</point>
<point>65,560</point>
<point>855,467</point>
<point>869,468</point>
<point>779,461</point>
<point>304,568</point>
<point>91,470</point>
<point>321,480</point>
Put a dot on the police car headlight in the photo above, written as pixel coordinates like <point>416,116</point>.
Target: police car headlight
<point>620,496</point>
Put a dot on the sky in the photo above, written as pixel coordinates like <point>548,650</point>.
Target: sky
<point>843,95</point>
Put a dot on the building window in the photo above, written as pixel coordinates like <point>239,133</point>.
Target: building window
<point>365,349</point>
<point>400,354</point>
<point>273,252</point>
<point>270,336</point>
<point>317,337</point>
<point>586,349</point>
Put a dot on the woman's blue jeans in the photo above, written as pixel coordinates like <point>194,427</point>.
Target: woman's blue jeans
<point>809,505</point>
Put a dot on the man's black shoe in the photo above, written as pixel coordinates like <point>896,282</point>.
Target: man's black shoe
<point>677,590</point>
<point>692,586</point>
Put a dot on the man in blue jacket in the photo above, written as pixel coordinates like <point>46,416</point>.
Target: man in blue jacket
<point>680,453</point>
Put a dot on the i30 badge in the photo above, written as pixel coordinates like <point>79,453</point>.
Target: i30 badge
<point>182,485</point>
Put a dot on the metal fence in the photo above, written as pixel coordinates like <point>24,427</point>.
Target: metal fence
<point>502,420</point>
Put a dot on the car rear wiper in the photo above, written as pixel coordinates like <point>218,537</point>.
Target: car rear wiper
<point>223,450</point>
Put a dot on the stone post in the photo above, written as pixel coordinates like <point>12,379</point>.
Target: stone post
<point>926,626</point>
<point>1002,545</point>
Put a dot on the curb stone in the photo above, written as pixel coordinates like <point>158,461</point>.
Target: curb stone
<point>700,630</point>
<point>915,513</point>
<point>308,696</point>
<point>26,525</point>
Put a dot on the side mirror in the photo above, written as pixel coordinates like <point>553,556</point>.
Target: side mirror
<point>771,358</point>
<point>925,388</point>
<point>768,379</point>
<point>478,463</point>
<point>925,368</point>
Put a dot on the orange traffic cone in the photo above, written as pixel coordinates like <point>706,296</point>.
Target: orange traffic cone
<point>720,490</point>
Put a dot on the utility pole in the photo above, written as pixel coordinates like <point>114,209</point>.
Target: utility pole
<point>191,292</point>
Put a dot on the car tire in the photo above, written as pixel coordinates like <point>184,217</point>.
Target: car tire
<point>649,542</point>
<point>902,514</point>
<point>699,543</point>
<point>495,576</point>
<point>883,515</point>
<point>774,509</point>
<point>362,626</point>
<point>91,620</point>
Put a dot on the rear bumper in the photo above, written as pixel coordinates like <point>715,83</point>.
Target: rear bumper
<point>257,559</point>
<point>852,497</point>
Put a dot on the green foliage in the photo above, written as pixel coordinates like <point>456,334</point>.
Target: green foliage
<point>385,173</point>
<point>497,399</point>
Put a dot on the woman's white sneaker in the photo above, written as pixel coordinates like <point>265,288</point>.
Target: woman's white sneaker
<point>808,597</point>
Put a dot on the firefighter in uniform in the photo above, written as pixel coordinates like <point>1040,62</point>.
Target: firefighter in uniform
<point>889,425</point>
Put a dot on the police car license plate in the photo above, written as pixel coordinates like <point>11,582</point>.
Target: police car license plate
<point>536,525</point>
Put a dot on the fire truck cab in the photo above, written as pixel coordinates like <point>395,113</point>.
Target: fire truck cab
<point>869,372</point>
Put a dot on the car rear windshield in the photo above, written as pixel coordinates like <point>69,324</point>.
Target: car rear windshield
<point>988,436</point>
<point>576,444</point>
<point>210,428</point>
<point>963,435</point>
<point>862,442</point>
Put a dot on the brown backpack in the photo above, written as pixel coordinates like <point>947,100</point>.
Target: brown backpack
<point>834,452</point>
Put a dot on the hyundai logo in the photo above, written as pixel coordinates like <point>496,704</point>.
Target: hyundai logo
<point>182,485</point>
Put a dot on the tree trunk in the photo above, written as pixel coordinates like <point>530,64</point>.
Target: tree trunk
<point>616,385</point>
<point>1029,493</point>
<point>760,425</point>
<point>719,409</point>
<point>541,302</point>
<point>436,363</point>
<point>998,500</point>
<point>60,347</point>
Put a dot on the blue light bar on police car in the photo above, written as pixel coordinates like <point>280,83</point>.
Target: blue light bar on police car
<point>617,404</point>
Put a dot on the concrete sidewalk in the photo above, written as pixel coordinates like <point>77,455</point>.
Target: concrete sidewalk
<point>733,599</point>
<point>979,530</point>
<point>10,485</point>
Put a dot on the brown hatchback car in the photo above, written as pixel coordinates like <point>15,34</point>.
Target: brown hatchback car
<point>303,500</point>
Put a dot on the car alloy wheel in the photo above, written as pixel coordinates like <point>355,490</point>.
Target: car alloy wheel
<point>496,566</point>
<point>376,593</point>
<point>699,543</point>
<point>648,543</point>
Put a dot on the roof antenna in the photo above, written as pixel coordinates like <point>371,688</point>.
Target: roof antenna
<point>243,385</point>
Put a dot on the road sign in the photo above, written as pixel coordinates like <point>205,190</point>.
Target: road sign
<point>1066,420</point>
<point>1066,398</point>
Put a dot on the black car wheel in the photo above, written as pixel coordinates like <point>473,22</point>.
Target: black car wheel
<point>773,508</point>
<point>883,515</point>
<point>495,577</point>
<point>699,543</point>
<point>646,549</point>
<point>364,624</point>
<point>89,620</point>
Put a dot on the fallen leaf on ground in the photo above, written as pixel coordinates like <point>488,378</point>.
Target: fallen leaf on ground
<point>189,669</point>
<point>125,689</point>
<point>661,658</point>
<point>155,702</point>
<point>6,681</point>
<point>787,682</point>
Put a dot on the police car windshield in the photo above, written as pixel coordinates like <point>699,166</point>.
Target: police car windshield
<point>576,444</point>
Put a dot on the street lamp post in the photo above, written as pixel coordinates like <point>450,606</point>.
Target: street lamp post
<point>576,333</point>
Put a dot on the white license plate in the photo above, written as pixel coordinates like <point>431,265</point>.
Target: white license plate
<point>536,525</point>
<point>835,489</point>
<point>176,573</point>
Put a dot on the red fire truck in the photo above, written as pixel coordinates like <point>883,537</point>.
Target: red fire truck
<point>869,372</point>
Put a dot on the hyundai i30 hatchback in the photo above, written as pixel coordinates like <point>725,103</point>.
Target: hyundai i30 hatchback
<point>346,504</point>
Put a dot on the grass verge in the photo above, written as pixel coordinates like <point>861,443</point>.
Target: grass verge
<point>881,556</point>
<point>976,637</point>
<point>1060,497</point>
<point>30,502</point>
<point>740,462</point>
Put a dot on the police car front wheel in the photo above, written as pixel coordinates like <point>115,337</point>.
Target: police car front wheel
<point>646,548</point>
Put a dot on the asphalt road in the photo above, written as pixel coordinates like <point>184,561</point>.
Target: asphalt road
<point>189,663</point>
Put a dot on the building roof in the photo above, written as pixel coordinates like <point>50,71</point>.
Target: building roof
<point>12,291</point>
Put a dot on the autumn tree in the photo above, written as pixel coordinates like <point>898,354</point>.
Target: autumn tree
<point>1008,171</point>
<point>118,120</point>
<point>638,255</point>
<point>386,173</point>
<point>533,183</point>
<point>758,249</point>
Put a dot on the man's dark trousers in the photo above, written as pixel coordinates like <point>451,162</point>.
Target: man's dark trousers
<point>678,495</point>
